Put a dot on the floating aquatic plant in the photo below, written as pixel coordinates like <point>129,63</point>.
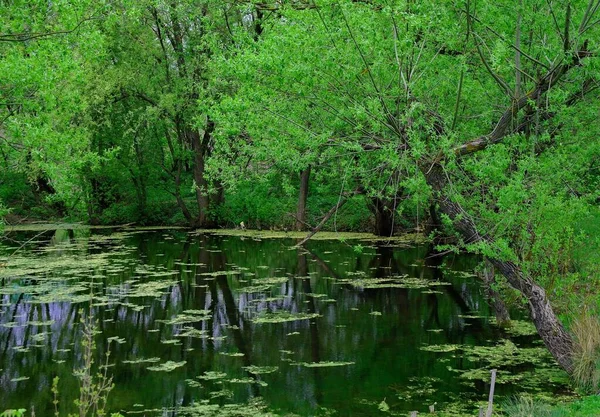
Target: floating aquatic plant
<point>212,376</point>
<point>440,348</point>
<point>142,360</point>
<point>193,332</point>
<point>284,316</point>
<point>241,381</point>
<point>260,370</point>
<point>187,318</point>
<point>150,289</point>
<point>168,366</point>
<point>192,383</point>
<point>232,354</point>
<point>325,364</point>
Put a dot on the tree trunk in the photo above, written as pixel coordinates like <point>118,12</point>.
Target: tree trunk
<point>549,327</point>
<point>494,299</point>
<point>303,196</point>
<point>384,216</point>
<point>180,202</point>
<point>200,146</point>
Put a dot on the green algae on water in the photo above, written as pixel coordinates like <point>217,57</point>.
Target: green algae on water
<point>212,376</point>
<point>168,366</point>
<point>440,348</point>
<point>325,364</point>
<point>260,370</point>
<point>282,317</point>
<point>141,360</point>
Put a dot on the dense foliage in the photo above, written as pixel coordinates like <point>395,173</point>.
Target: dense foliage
<point>477,118</point>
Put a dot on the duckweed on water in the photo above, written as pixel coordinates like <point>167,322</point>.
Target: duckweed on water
<point>192,383</point>
<point>193,317</point>
<point>506,354</point>
<point>176,342</point>
<point>283,316</point>
<point>269,234</point>
<point>168,366</point>
<point>242,381</point>
<point>260,370</point>
<point>212,376</point>
<point>254,408</point>
<point>400,281</point>
<point>40,323</point>
<point>150,289</point>
<point>440,348</point>
<point>224,393</point>
<point>142,360</point>
<point>254,289</point>
<point>325,364</point>
<point>193,332</point>
<point>520,328</point>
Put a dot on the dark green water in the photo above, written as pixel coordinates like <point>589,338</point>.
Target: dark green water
<point>384,316</point>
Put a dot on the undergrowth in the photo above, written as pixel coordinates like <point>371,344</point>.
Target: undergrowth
<point>586,351</point>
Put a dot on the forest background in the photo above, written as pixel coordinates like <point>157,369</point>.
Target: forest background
<point>473,122</point>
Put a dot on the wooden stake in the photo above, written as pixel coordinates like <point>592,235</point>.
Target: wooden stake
<point>491,399</point>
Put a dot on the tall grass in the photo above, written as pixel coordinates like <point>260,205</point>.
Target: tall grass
<point>586,352</point>
<point>526,407</point>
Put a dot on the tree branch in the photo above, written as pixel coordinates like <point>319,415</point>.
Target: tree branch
<point>26,36</point>
<point>501,130</point>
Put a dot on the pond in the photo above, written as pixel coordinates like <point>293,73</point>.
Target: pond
<point>350,327</point>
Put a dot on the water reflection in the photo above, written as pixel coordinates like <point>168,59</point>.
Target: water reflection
<point>195,298</point>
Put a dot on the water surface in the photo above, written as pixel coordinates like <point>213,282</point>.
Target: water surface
<point>192,317</point>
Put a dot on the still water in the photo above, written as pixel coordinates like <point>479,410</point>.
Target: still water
<point>350,327</point>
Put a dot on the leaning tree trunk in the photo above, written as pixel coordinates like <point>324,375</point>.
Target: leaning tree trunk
<point>549,327</point>
<point>302,197</point>
<point>494,299</point>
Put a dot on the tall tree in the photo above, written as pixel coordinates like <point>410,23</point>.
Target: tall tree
<point>413,88</point>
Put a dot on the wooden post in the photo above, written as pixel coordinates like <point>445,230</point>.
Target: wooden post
<point>413,414</point>
<point>491,398</point>
<point>481,412</point>
<point>432,408</point>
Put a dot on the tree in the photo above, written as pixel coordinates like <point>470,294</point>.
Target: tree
<point>411,90</point>
<point>42,115</point>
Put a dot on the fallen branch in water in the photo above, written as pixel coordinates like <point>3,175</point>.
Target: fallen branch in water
<point>343,200</point>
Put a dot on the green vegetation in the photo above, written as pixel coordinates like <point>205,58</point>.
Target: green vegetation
<point>473,123</point>
<point>530,407</point>
<point>586,357</point>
